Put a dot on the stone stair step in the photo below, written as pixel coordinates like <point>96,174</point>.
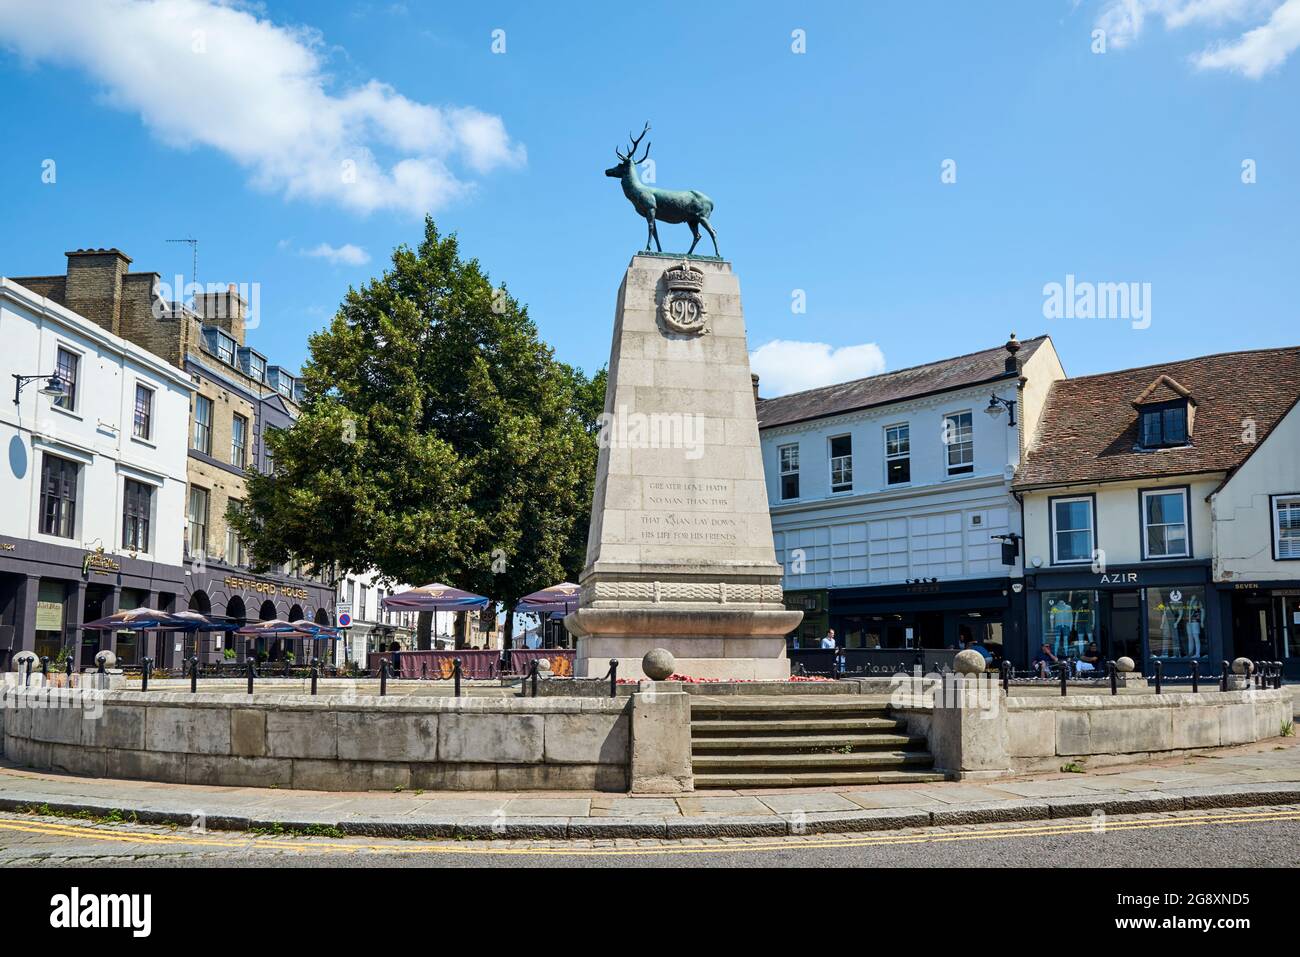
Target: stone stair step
<point>813,762</point>
<point>791,707</point>
<point>783,779</point>
<point>820,743</point>
<point>810,725</point>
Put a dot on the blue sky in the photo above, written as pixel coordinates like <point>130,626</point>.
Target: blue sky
<point>228,121</point>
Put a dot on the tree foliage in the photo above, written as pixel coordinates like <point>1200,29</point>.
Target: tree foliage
<point>438,440</point>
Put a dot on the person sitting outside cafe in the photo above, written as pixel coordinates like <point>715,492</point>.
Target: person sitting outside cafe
<point>1090,660</point>
<point>1044,660</point>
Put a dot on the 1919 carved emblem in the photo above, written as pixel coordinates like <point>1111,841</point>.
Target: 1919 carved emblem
<point>682,307</point>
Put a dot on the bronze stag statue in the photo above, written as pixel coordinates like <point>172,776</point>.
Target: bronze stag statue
<point>662,205</point>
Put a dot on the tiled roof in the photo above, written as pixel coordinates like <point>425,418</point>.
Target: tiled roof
<point>955,373</point>
<point>1089,428</point>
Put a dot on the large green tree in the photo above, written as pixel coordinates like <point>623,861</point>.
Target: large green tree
<point>439,439</point>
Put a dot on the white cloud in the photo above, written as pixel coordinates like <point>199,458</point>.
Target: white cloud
<point>212,73</point>
<point>785,366</point>
<point>1259,50</point>
<point>346,255</point>
<point>1254,53</point>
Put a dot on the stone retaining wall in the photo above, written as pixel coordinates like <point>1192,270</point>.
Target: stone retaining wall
<point>335,742</point>
<point>1041,732</point>
<point>987,734</point>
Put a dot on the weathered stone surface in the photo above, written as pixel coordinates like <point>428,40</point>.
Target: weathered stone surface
<point>480,738</point>
<point>1195,728</point>
<point>192,730</point>
<point>335,775</point>
<point>661,743</point>
<point>1031,733</point>
<point>166,766</point>
<point>119,726</point>
<point>248,732</point>
<point>658,664</point>
<point>587,739</point>
<point>387,737</point>
<point>969,662</point>
<point>302,734</point>
<point>251,772</point>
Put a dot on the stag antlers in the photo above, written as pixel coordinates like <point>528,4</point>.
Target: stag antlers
<point>636,141</point>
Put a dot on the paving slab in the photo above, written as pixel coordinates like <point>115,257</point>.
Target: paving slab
<point>807,803</point>
<point>697,806</point>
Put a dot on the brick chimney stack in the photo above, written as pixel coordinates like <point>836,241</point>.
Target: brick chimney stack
<point>94,285</point>
<point>226,310</point>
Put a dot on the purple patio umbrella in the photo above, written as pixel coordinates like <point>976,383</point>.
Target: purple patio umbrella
<point>435,597</point>
<point>135,619</point>
<point>557,598</point>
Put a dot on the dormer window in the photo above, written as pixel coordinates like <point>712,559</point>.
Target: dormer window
<point>1165,413</point>
<point>1164,425</point>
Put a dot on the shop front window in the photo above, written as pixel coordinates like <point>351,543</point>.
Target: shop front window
<point>1176,622</point>
<point>1069,620</point>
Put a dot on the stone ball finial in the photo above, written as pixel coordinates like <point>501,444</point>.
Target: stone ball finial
<point>107,657</point>
<point>1242,666</point>
<point>658,664</point>
<point>20,660</point>
<point>969,662</point>
<point>543,666</point>
<point>1124,664</point>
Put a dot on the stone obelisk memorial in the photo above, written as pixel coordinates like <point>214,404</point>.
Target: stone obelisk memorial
<point>680,551</point>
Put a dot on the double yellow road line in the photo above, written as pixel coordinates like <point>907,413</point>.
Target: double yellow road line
<point>186,839</point>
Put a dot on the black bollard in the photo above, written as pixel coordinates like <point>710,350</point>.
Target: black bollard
<point>1065,674</point>
<point>613,677</point>
<point>315,672</point>
<point>27,681</point>
<point>1196,676</point>
<point>1277,675</point>
<point>1006,676</point>
<point>194,674</point>
<point>45,670</point>
<point>252,670</point>
<point>424,670</point>
<point>383,677</point>
<point>455,675</point>
<point>1160,673</point>
<point>1223,682</point>
<point>67,669</point>
<point>532,673</point>
<point>1114,677</point>
<point>287,665</point>
<point>100,669</point>
<point>146,666</point>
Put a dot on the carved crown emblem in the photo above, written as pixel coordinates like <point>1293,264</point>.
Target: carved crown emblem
<point>684,277</point>
<point>682,308</point>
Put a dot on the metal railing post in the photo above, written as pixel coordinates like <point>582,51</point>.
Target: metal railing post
<point>146,668</point>
<point>1277,676</point>
<point>1114,677</point>
<point>45,669</point>
<point>532,674</point>
<point>315,673</point>
<point>67,669</point>
<point>1160,673</point>
<point>424,671</point>
<point>1223,681</point>
<point>613,677</point>
<point>455,674</point>
<point>383,677</point>
<point>1196,676</point>
<point>27,680</point>
<point>252,671</point>
<point>1006,676</point>
<point>194,674</point>
<point>1065,675</point>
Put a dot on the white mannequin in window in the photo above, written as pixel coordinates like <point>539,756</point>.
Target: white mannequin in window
<point>1194,615</point>
<point>1061,620</point>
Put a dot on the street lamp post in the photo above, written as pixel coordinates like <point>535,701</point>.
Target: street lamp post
<point>53,386</point>
<point>996,405</point>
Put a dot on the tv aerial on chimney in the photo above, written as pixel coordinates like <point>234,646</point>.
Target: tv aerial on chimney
<point>194,248</point>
